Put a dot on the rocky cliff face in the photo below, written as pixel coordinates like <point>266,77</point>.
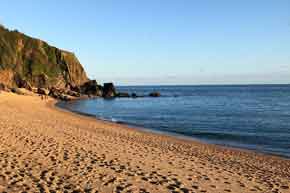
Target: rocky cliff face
<point>33,60</point>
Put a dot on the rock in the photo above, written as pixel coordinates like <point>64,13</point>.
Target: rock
<point>54,92</point>
<point>134,95</point>
<point>75,88</point>
<point>91,87</point>
<point>43,91</point>
<point>109,90</point>
<point>62,94</point>
<point>99,91</point>
<point>25,84</point>
<point>73,93</point>
<point>16,90</point>
<point>20,91</point>
<point>3,87</point>
<point>123,94</point>
<point>87,85</point>
<point>33,89</point>
<point>154,94</point>
<point>21,83</point>
<point>64,97</point>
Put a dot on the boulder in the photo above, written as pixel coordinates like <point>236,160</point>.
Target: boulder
<point>73,93</point>
<point>20,91</point>
<point>54,92</point>
<point>57,92</point>
<point>64,97</point>
<point>109,90</point>
<point>154,94</point>
<point>3,87</point>
<point>134,95</point>
<point>123,94</point>
<point>62,94</point>
<point>75,88</point>
<point>43,91</point>
<point>91,87</point>
<point>16,90</point>
<point>24,84</point>
<point>33,89</point>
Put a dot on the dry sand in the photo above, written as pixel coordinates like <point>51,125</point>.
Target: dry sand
<point>44,149</point>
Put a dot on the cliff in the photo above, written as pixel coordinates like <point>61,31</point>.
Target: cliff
<point>33,60</point>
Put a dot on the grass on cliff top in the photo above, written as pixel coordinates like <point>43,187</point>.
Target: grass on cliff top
<point>26,55</point>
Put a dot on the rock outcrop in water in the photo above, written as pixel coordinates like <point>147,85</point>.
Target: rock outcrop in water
<point>109,90</point>
<point>91,87</point>
<point>154,94</point>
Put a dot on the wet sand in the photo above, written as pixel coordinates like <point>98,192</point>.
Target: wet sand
<point>45,149</point>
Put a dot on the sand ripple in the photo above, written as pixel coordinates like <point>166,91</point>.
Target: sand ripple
<point>46,150</point>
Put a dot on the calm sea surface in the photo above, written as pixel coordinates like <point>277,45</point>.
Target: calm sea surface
<point>255,117</point>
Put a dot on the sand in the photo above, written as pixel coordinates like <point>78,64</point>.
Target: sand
<point>45,149</point>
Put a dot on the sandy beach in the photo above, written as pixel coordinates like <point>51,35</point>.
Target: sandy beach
<point>46,149</point>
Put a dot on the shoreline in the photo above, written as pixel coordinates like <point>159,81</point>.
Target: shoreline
<point>162,133</point>
<point>177,137</point>
<point>52,149</point>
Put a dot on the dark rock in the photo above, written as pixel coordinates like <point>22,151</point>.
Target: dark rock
<point>17,79</point>
<point>24,84</point>
<point>3,87</point>
<point>123,94</point>
<point>109,90</point>
<point>91,87</point>
<point>43,91</point>
<point>14,90</point>
<point>57,93</point>
<point>73,93</point>
<point>61,94</point>
<point>40,81</point>
<point>87,85</point>
<point>64,97</point>
<point>20,91</point>
<point>134,95</point>
<point>75,88</point>
<point>54,92</point>
<point>155,94</point>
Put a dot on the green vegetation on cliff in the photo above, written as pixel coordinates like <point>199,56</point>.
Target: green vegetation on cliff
<point>37,62</point>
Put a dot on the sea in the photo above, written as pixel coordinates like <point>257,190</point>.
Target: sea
<point>253,117</point>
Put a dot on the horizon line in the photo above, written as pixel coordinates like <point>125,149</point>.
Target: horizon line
<point>230,84</point>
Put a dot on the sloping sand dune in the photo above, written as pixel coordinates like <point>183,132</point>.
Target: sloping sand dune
<point>44,149</point>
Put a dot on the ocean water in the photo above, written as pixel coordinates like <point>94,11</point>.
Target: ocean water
<point>255,117</point>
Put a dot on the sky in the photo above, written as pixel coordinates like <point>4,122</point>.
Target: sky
<point>145,42</point>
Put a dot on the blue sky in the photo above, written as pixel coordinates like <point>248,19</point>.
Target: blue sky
<point>164,41</point>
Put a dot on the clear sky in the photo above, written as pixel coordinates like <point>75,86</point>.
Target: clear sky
<point>164,41</point>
